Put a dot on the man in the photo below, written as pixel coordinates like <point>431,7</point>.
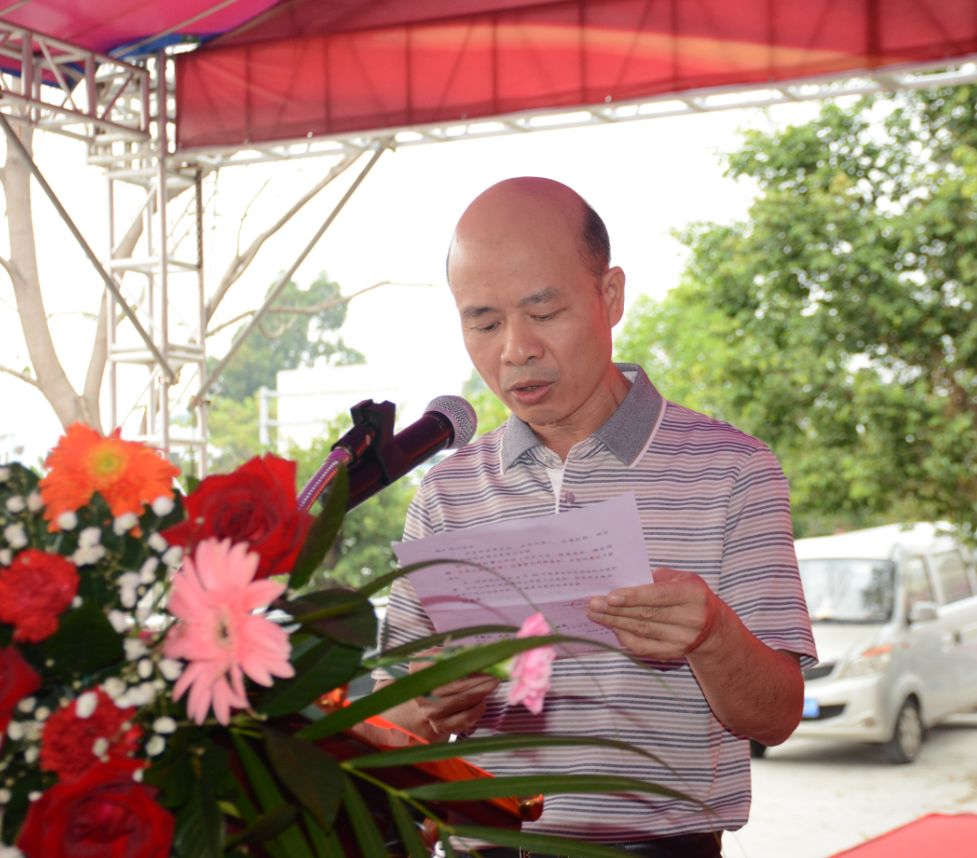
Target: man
<point>721,625</point>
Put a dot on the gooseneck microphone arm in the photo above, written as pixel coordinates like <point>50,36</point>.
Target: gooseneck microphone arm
<point>376,457</point>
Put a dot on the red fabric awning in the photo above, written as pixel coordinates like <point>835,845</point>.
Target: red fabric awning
<point>307,68</point>
<point>104,26</point>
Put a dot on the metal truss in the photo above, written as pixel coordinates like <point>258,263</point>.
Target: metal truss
<point>124,113</point>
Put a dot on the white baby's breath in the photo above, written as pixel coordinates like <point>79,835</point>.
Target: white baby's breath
<point>67,521</point>
<point>15,535</point>
<point>16,503</point>
<point>124,523</point>
<point>163,505</point>
<point>86,703</point>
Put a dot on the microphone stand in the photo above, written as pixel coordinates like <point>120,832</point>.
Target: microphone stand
<point>373,427</point>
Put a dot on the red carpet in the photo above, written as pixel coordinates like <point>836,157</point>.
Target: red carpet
<point>936,834</point>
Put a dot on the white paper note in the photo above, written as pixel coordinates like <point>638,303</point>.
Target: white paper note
<point>553,564</point>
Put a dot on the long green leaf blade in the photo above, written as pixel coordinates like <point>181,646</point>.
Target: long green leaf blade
<point>530,785</point>
<point>323,531</point>
<point>410,837</point>
<point>362,822</point>
<point>540,844</point>
<point>485,745</point>
<point>422,682</point>
<point>269,797</point>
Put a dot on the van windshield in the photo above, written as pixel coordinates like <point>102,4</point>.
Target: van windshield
<point>848,591</point>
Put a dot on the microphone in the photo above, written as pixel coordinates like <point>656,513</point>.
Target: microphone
<point>376,457</point>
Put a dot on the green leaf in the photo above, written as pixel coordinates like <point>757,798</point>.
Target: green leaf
<point>324,667</point>
<point>309,773</point>
<point>342,614</point>
<point>424,681</point>
<point>199,826</point>
<point>362,821</point>
<point>377,584</point>
<point>323,531</point>
<point>410,837</point>
<point>530,785</point>
<point>540,844</point>
<point>325,843</point>
<point>269,796</point>
<point>489,744</point>
<point>397,654</point>
<point>266,826</point>
<point>85,641</point>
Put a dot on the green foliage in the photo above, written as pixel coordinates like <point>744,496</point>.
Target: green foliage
<point>837,323</point>
<point>295,332</point>
<point>489,409</point>
<point>232,427</point>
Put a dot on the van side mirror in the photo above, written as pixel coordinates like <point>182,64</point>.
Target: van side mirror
<point>924,612</point>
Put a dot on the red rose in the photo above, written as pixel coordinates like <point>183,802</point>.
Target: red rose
<point>68,741</point>
<point>17,680</point>
<point>105,814</point>
<point>34,590</point>
<point>255,504</point>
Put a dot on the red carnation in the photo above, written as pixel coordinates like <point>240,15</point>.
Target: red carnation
<point>17,680</point>
<point>68,740</point>
<point>256,504</point>
<point>34,590</point>
<point>105,813</point>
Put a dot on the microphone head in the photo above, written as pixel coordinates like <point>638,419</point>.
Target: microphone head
<point>459,413</point>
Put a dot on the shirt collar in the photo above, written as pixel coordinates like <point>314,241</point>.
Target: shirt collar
<point>625,433</point>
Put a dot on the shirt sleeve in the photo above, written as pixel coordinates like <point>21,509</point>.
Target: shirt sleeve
<point>759,579</point>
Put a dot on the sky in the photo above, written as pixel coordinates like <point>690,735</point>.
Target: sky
<point>647,178</point>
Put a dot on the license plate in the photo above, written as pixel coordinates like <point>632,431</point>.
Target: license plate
<point>811,708</point>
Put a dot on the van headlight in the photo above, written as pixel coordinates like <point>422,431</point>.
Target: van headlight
<point>874,660</point>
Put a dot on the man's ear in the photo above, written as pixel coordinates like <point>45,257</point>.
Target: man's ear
<point>612,293</point>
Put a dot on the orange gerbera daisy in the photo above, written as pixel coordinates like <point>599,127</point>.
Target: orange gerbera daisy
<point>126,473</point>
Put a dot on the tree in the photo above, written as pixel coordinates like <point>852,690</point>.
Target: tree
<point>298,329</point>
<point>837,323</point>
<point>46,371</point>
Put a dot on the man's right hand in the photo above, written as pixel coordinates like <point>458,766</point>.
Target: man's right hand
<point>452,708</point>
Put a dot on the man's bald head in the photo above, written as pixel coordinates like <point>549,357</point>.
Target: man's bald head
<point>524,201</point>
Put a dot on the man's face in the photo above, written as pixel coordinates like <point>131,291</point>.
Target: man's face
<point>537,321</point>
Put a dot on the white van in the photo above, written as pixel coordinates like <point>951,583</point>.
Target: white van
<point>894,611</point>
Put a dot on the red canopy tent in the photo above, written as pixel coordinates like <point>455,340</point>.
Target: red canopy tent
<point>306,68</point>
<point>296,69</point>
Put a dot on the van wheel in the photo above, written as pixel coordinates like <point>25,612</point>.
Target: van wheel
<point>757,749</point>
<point>907,735</point>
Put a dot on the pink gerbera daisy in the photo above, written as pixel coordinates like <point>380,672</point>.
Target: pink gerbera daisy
<point>213,598</point>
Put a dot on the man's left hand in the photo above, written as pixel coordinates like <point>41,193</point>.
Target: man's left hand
<point>667,619</point>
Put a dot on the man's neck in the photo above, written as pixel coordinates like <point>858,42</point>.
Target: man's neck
<point>561,437</point>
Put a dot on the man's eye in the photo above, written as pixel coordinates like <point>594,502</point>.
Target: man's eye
<point>485,329</point>
<point>545,317</point>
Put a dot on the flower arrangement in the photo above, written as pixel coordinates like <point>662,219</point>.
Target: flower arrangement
<point>163,665</point>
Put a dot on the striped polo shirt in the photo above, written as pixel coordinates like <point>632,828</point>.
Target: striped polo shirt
<point>712,501</point>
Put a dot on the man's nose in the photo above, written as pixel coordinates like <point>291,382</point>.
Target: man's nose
<point>522,343</point>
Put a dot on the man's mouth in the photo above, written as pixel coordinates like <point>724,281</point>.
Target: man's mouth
<point>530,392</point>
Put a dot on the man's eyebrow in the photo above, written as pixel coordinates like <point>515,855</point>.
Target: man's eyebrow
<point>550,293</point>
<point>476,312</point>
<point>543,296</point>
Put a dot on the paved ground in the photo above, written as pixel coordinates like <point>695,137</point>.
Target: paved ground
<point>812,799</point>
